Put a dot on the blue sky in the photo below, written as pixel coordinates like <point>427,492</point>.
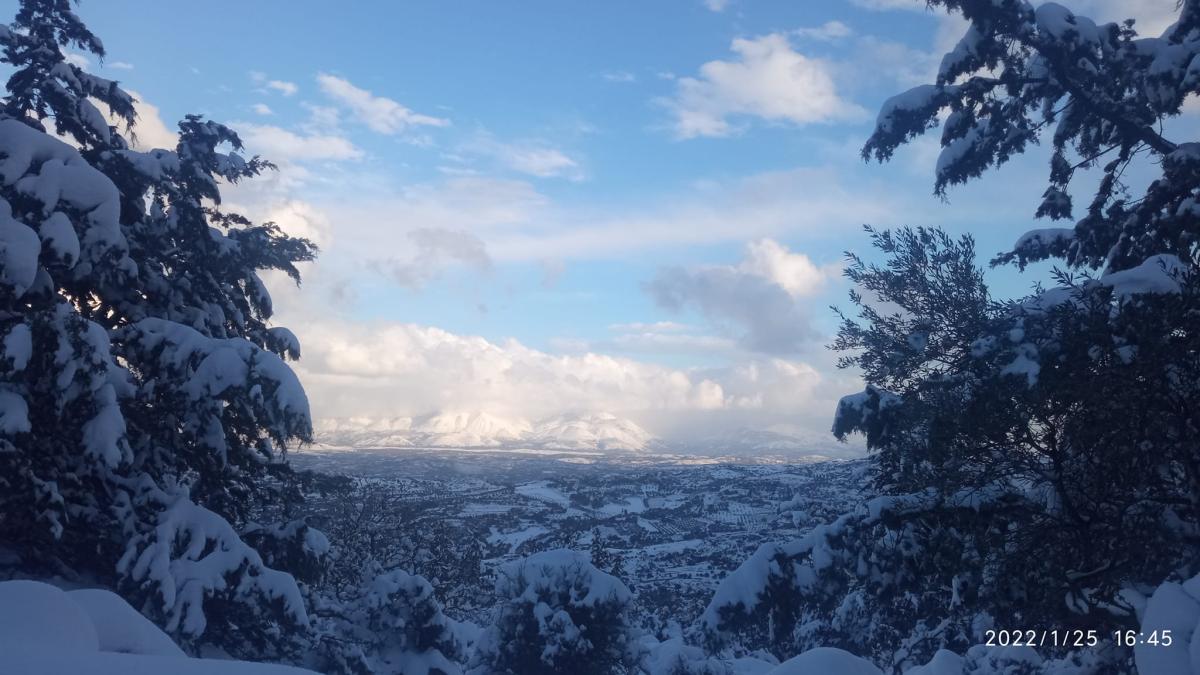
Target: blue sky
<point>542,207</point>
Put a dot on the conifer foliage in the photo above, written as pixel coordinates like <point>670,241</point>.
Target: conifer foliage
<point>144,397</point>
<point>1035,457</point>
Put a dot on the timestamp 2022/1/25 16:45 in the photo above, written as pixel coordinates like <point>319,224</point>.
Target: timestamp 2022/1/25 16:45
<point>1075,638</point>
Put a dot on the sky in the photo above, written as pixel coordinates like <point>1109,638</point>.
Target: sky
<point>542,208</point>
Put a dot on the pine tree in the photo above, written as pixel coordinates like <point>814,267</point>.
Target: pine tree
<point>144,400</point>
<point>1029,453</point>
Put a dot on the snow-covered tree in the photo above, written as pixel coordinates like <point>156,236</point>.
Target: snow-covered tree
<point>392,625</point>
<point>1028,453</point>
<point>144,399</point>
<point>1020,72</point>
<point>557,613</point>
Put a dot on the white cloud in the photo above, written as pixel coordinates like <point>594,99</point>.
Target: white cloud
<point>78,60</point>
<point>716,5</point>
<point>262,109</point>
<point>757,301</point>
<point>380,114</point>
<point>793,272</point>
<point>82,61</point>
<point>1153,16</point>
<point>384,369</point>
<point>301,219</point>
<point>149,130</point>
<point>281,145</point>
<point>828,31</point>
<point>768,80</point>
<point>283,87</point>
<point>404,369</point>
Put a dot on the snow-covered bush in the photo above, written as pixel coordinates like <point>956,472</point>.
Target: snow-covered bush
<point>394,626</point>
<point>144,400</point>
<point>557,613</point>
<point>410,634</point>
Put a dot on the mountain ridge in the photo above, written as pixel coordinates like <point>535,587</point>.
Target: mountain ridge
<point>585,432</point>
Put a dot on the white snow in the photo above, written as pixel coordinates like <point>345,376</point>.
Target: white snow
<point>1025,363</point>
<point>119,627</point>
<point>19,249</point>
<point>472,429</point>
<point>541,491</point>
<point>533,577</point>
<point>14,413</point>
<point>826,661</point>
<point>189,557</point>
<point>1057,22</point>
<point>515,539</point>
<point>1172,608</point>
<point>18,346</point>
<point>1156,274</point>
<point>944,662</point>
<point>58,236</point>
<point>46,631</point>
<point>602,431</point>
<point>36,662</point>
<point>51,172</point>
<point>957,149</point>
<point>39,616</point>
<point>907,102</point>
<point>1044,237</point>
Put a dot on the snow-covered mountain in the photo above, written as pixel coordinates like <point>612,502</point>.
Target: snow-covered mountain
<point>599,431</point>
<point>590,432</point>
<point>596,431</point>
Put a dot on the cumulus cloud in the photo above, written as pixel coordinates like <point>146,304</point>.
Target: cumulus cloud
<point>149,129</point>
<point>378,113</point>
<point>793,272</point>
<point>434,250</point>
<point>768,80</point>
<point>758,301</point>
<point>397,369</point>
<point>262,109</point>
